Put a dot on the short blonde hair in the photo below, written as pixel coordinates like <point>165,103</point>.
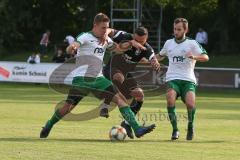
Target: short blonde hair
<point>101,17</point>
<point>182,20</point>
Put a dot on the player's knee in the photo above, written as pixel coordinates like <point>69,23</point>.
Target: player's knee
<point>170,103</point>
<point>118,77</point>
<point>138,94</point>
<point>171,98</point>
<point>190,104</point>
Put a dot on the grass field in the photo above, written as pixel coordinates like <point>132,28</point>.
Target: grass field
<point>24,108</point>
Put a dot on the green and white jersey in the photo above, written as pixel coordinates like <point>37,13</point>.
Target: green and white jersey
<point>90,55</point>
<point>180,67</point>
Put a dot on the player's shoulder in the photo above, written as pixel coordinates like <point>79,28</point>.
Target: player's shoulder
<point>82,36</point>
<point>85,35</point>
<point>169,41</point>
<point>119,35</point>
<point>190,40</point>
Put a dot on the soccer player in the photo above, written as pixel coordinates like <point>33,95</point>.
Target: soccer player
<point>119,67</point>
<point>182,53</point>
<point>90,78</point>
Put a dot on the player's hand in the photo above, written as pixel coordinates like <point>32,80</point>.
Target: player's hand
<point>72,49</point>
<point>190,55</point>
<point>137,45</point>
<point>155,64</point>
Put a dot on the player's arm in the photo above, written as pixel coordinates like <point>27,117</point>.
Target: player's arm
<point>197,52</point>
<point>71,49</point>
<point>160,57</point>
<point>200,58</point>
<point>150,55</point>
<point>163,53</point>
<point>123,46</point>
<point>154,63</point>
<point>124,39</point>
<point>120,48</point>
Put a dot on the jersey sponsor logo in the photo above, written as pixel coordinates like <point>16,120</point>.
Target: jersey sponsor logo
<point>99,51</point>
<point>178,59</point>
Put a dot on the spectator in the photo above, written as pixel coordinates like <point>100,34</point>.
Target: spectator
<point>44,43</point>
<point>59,57</point>
<point>34,59</point>
<point>69,39</point>
<point>202,37</point>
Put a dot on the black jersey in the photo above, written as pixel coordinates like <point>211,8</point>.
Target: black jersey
<point>131,57</point>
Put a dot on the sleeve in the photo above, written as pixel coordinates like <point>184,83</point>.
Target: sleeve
<point>197,48</point>
<point>81,38</point>
<point>121,36</point>
<point>150,52</point>
<point>163,51</point>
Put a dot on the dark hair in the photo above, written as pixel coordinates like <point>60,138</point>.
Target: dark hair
<point>101,17</point>
<point>141,31</point>
<point>182,20</point>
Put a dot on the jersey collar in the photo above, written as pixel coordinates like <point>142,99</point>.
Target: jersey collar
<point>91,32</point>
<point>178,42</point>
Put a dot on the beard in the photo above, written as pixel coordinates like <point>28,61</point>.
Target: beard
<point>179,38</point>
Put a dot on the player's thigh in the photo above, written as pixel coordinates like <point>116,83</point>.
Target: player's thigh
<point>190,99</point>
<point>173,92</point>
<point>130,88</point>
<point>103,88</point>
<point>75,95</point>
<point>188,94</point>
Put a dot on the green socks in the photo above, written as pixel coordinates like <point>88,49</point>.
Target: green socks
<point>55,118</point>
<point>173,117</point>
<point>129,116</point>
<point>191,115</point>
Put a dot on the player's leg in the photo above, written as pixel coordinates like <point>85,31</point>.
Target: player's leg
<point>107,87</point>
<point>137,102</point>
<point>171,96</point>
<point>189,99</point>
<point>117,79</point>
<point>73,99</point>
<point>129,116</point>
<point>135,105</point>
<point>130,89</point>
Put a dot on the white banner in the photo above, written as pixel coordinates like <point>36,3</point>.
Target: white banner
<point>40,73</point>
<point>24,72</point>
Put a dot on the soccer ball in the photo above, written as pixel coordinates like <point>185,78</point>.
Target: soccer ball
<point>117,133</point>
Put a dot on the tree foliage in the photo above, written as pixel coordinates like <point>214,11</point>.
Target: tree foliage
<point>23,21</point>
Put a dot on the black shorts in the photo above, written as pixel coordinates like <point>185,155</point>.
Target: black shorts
<point>129,83</point>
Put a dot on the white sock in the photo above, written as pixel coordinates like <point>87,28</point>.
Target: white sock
<point>126,122</point>
<point>104,105</point>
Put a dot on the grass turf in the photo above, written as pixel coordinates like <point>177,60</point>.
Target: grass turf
<point>25,108</point>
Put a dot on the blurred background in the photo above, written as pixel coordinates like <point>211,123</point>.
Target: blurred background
<point>24,22</point>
